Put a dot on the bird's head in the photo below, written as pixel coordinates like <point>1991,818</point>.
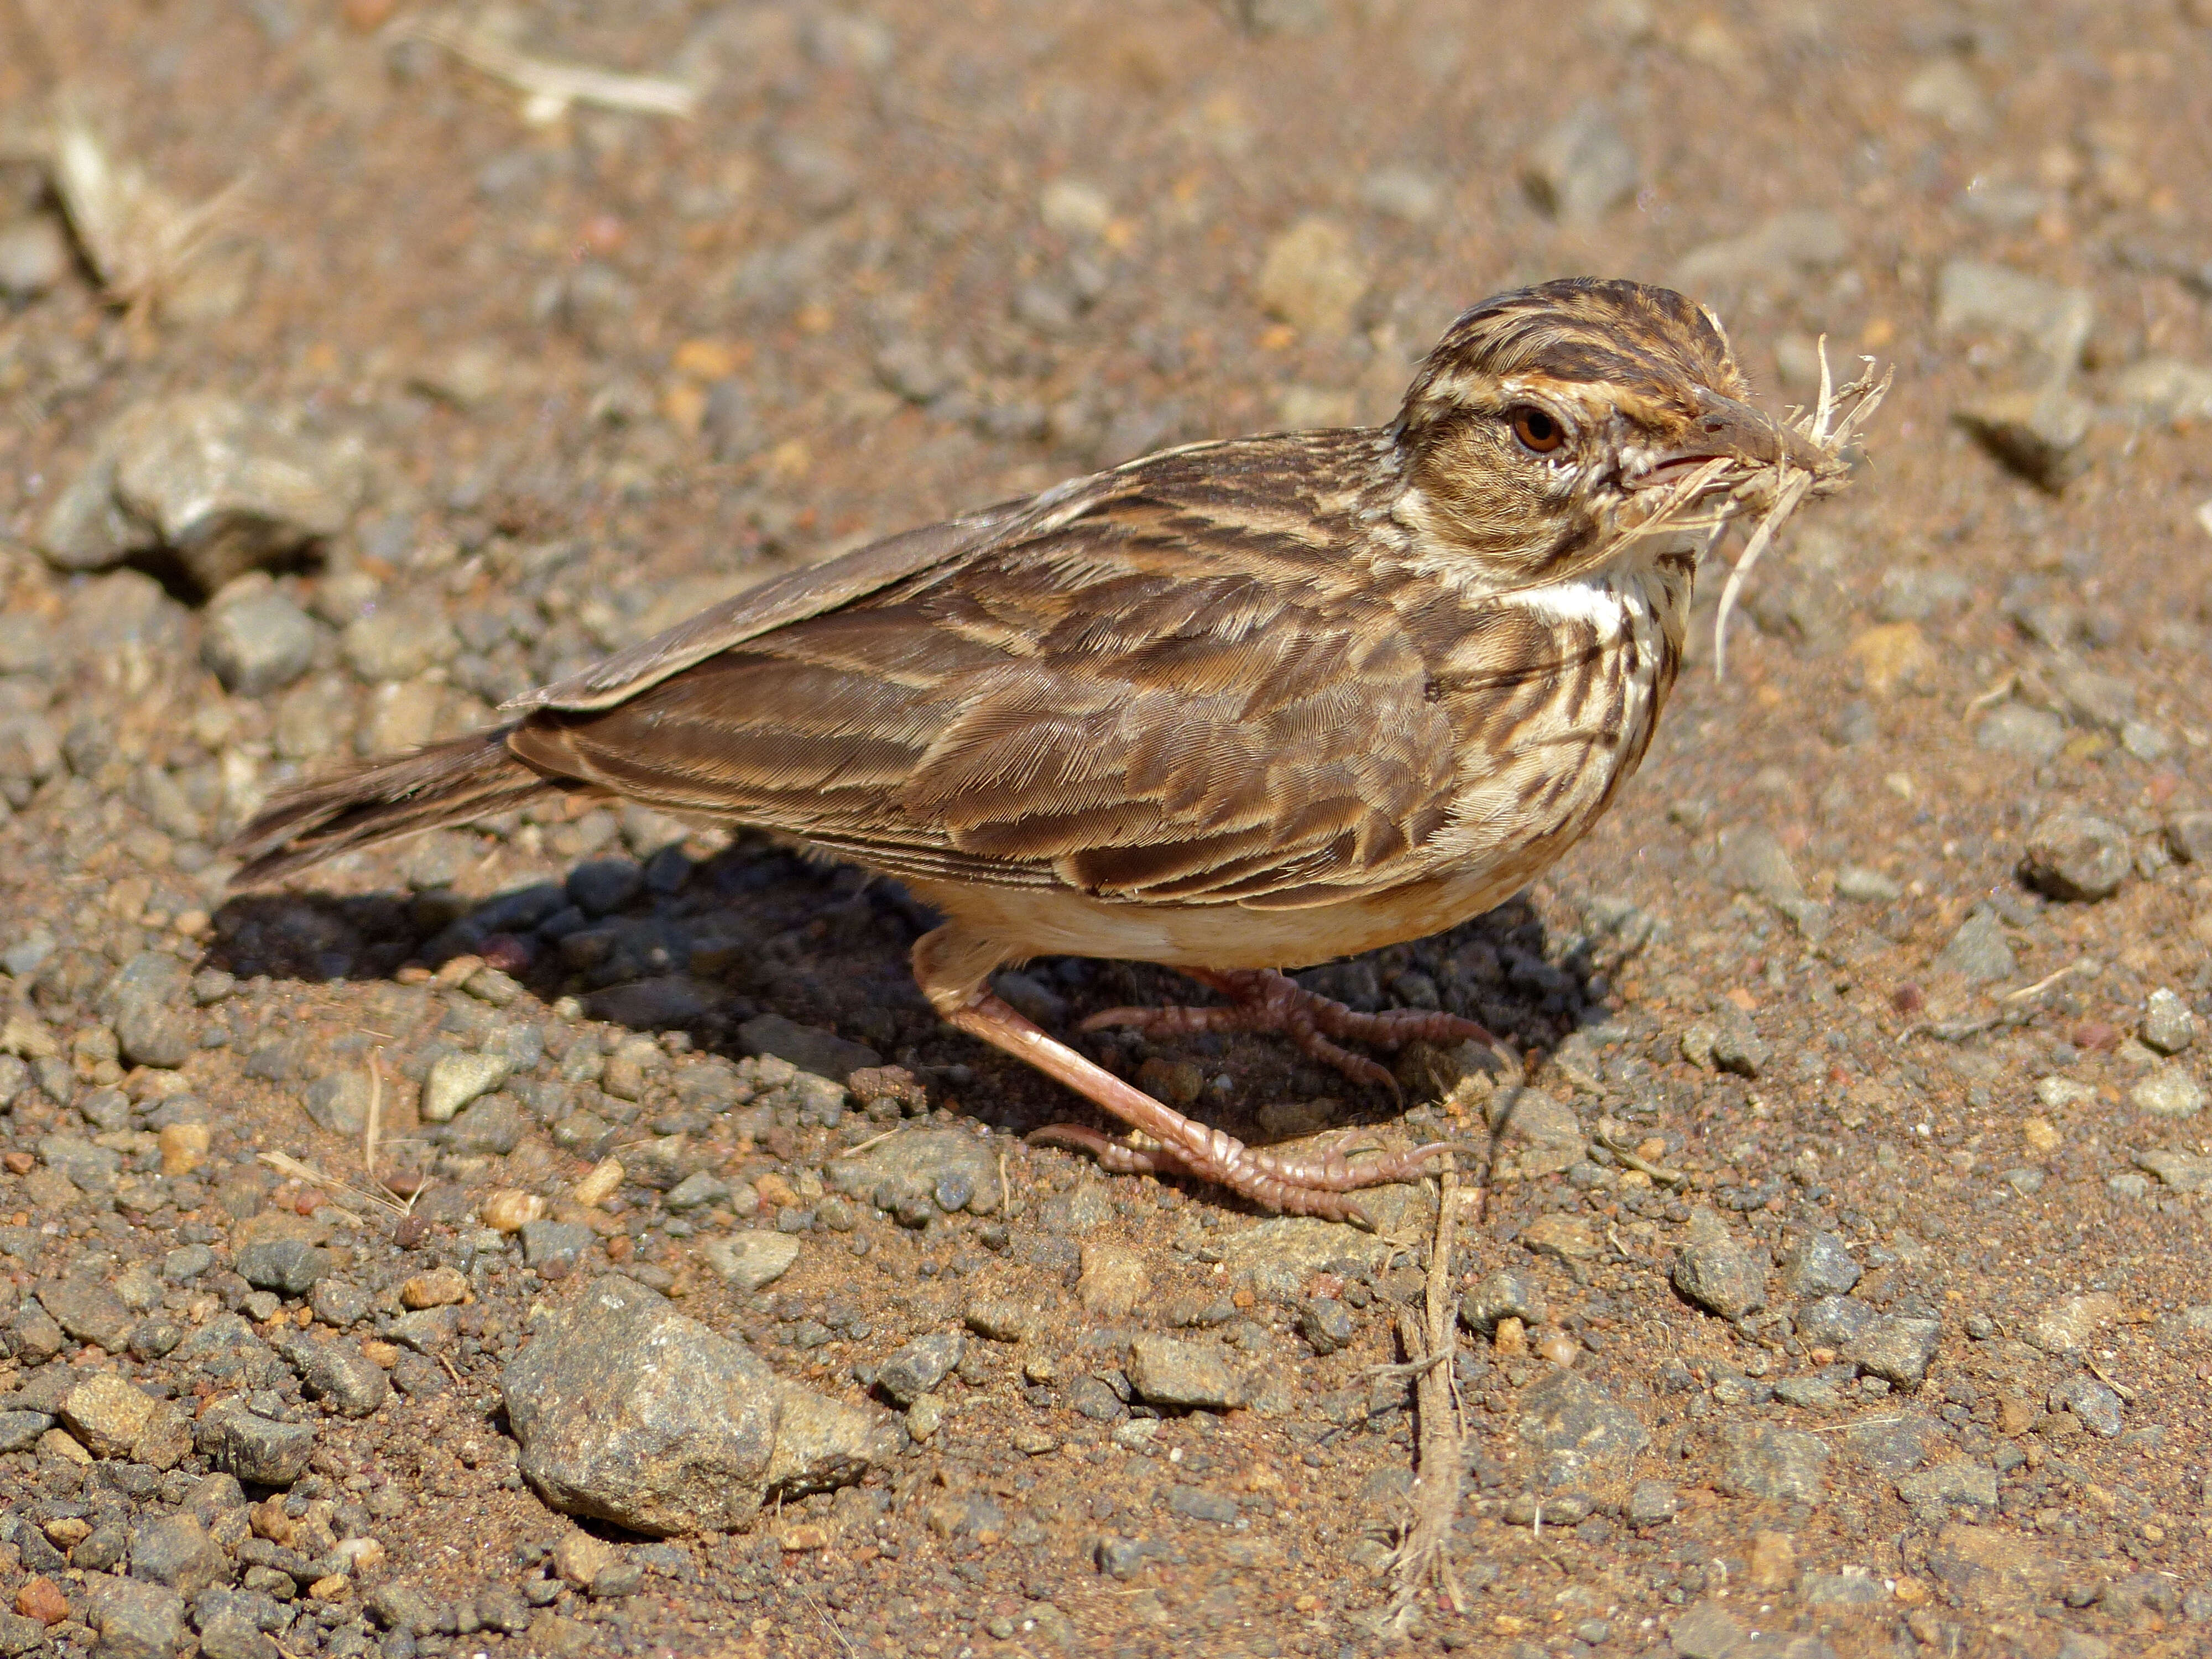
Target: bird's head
<point>1555,426</point>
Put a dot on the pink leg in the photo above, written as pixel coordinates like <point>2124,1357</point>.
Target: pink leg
<point>1262,999</point>
<point>951,965</point>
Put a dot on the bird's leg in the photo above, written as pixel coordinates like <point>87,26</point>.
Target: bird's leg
<point>950,966</point>
<point>1262,999</point>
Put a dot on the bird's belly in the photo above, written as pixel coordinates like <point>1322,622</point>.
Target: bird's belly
<point>1059,921</point>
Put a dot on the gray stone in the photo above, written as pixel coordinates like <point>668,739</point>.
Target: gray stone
<point>604,885</point>
<point>30,753</point>
<point>1754,861</point>
<point>1502,1296</point>
<point>289,1266</point>
<point>807,1047</point>
<point>629,1410</point>
<point>89,1311</point>
<point>1726,1041</point>
<point>1863,886</point>
<point>230,1634</point>
<point>1978,951</point>
<point>2169,1026</point>
<point>749,1259</point>
<point>258,1451</point>
<point>1580,1431</point>
<point>149,1003</point>
<point>696,1190</point>
<point>1167,1371</point>
<point>427,1330</point>
<point>1653,1503</point>
<point>2189,837</point>
<point>19,1430</point>
<point>1814,1390</point>
<point>2167,389</point>
<point>1707,1632</point>
<point>258,643</point>
<point>397,642</point>
<point>341,1375</point>
<point>136,1620</point>
<point>1956,1480</point>
<point>1781,1466</point>
<point>225,487</point>
<point>920,1172</point>
<point>1853,1586</point>
<point>2036,432</point>
<point>1717,1271</point>
<point>547,1241</point>
<point>454,1080</point>
<point>2068,1327</point>
<point>175,1549</point>
<point>1414,194</point>
<point>1973,296</point>
<point>186,1262</point>
<point>1896,1349</point>
<point>919,1366</point>
<point>2033,734</point>
<point>20,1635</point>
<point>1582,167</point>
<point>2094,1405</point>
<point>2184,1172</point>
<point>33,1336</point>
<point>339,1103</point>
<point>491,1124</point>
<point>2091,698</point>
<point>1328,1325</point>
<point>1819,1265</point>
<point>34,257</point>
<point>1795,242</point>
<point>2169,1091</point>
<point>338,1302</point>
<point>2074,856</point>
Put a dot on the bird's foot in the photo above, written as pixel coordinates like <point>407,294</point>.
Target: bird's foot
<point>1262,999</point>
<point>1318,1186</point>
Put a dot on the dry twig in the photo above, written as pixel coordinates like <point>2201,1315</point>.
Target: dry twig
<point>548,88</point>
<point>299,1169</point>
<point>1423,1555</point>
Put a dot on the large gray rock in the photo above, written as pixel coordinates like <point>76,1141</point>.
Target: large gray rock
<point>225,487</point>
<point>633,1412</point>
<point>1719,1272</point>
<point>258,1451</point>
<point>921,1172</point>
<point>1583,1433</point>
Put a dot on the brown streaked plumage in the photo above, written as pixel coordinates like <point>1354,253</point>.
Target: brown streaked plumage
<point>1232,707</point>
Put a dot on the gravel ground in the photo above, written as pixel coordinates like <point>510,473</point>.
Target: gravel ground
<point>1837,1288</point>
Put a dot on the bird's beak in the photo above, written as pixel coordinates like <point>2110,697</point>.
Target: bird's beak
<point>1724,429</point>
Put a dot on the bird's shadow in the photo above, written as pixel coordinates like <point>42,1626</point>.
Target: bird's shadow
<point>704,947</point>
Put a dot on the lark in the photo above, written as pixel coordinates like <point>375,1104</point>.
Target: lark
<point>1235,707</point>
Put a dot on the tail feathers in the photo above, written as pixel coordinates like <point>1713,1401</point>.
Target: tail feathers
<point>453,783</point>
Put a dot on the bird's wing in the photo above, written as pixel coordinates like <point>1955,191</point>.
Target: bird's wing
<point>802,593</point>
<point>1168,693</point>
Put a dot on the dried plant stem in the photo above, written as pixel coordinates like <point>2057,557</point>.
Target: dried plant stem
<point>550,88</point>
<point>1423,1554</point>
<point>299,1169</point>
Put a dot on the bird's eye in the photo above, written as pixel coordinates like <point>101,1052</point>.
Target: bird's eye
<point>1538,433</point>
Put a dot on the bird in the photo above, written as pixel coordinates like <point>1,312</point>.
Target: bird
<point>1235,707</point>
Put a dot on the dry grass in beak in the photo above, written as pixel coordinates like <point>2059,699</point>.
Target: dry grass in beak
<point>1777,491</point>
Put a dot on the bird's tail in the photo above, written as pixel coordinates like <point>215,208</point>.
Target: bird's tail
<point>452,783</point>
